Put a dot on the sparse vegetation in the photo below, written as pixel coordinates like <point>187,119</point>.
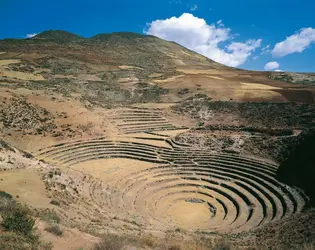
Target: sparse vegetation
<point>24,116</point>
<point>296,78</point>
<point>145,92</point>
<point>112,242</point>
<point>18,220</point>
<point>55,229</point>
<point>171,242</point>
<point>17,227</point>
<point>183,91</point>
<point>106,94</point>
<point>59,36</point>
<point>257,115</point>
<point>49,216</point>
<point>293,233</point>
<point>116,242</point>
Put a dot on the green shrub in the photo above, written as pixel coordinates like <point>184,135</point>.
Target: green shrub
<point>9,241</point>
<point>17,226</point>
<point>49,216</point>
<point>13,241</point>
<point>183,91</point>
<point>6,203</point>
<point>5,195</point>
<point>18,220</point>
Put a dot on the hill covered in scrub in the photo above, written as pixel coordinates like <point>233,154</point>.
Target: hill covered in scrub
<point>127,140</point>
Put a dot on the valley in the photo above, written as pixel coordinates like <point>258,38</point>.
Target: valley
<point>128,134</point>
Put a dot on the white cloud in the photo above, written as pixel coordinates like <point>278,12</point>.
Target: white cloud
<point>220,23</point>
<point>295,43</point>
<point>265,50</point>
<point>195,34</point>
<point>272,66</point>
<point>194,7</point>
<point>31,35</point>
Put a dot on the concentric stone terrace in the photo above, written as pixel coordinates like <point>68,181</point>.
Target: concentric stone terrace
<point>185,187</point>
<point>135,120</point>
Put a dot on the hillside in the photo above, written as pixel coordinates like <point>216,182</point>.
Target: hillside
<point>131,135</point>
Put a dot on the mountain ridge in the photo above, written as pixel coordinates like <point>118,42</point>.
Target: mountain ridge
<point>66,36</point>
<point>125,47</point>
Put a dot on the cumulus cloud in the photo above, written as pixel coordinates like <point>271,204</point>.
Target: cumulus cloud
<point>31,35</point>
<point>272,66</point>
<point>195,34</point>
<point>297,42</point>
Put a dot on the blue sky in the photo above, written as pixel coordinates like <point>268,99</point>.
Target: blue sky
<point>246,27</point>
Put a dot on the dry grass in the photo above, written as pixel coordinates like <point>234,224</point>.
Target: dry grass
<point>216,77</point>
<point>55,229</point>
<point>176,242</point>
<point>171,79</point>
<point>8,62</point>
<point>129,67</point>
<point>21,75</point>
<point>252,94</point>
<point>197,71</point>
<point>171,242</point>
<point>112,242</point>
<point>245,85</point>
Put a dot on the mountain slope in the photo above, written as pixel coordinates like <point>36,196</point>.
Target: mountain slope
<point>123,47</point>
<point>124,59</point>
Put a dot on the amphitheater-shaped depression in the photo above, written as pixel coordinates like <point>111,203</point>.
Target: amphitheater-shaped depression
<point>180,186</point>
